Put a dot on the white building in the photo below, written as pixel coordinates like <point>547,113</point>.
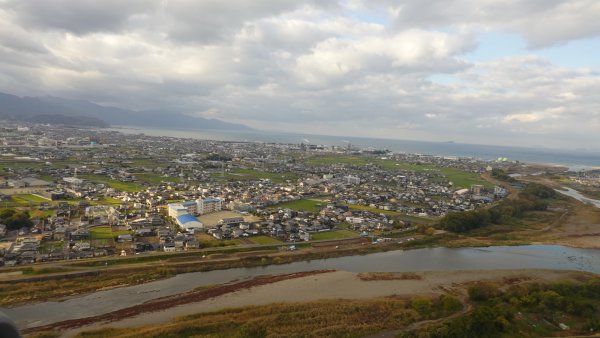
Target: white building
<point>352,180</point>
<point>73,180</point>
<point>178,209</point>
<point>208,205</point>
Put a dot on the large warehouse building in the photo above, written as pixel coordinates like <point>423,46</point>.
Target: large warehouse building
<point>189,222</point>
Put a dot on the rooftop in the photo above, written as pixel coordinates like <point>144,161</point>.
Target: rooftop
<point>186,218</point>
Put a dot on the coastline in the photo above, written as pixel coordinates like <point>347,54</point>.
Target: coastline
<point>571,159</point>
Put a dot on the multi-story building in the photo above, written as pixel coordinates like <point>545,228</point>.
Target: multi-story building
<point>178,209</point>
<point>208,205</point>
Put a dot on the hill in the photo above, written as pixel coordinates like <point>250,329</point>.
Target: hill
<point>79,112</point>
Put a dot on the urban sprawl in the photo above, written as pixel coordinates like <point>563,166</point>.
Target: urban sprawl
<point>71,193</point>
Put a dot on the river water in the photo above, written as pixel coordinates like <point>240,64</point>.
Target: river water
<point>487,258</point>
<point>578,196</point>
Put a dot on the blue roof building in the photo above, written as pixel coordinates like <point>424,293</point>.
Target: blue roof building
<point>189,222</point>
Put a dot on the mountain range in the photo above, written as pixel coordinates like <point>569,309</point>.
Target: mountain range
<point>55,110</point>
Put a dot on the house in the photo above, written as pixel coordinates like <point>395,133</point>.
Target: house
<point>143,232</point>
<point>169,247</point>
<point>80,234</point>
<point>124,238</point>
<point>82,246</point>
<point>193,244</point>
<point>179,241</point>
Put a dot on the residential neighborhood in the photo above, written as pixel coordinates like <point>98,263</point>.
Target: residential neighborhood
<point>84,193</point>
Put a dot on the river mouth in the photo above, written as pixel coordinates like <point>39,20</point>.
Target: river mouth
<point>552,257</point>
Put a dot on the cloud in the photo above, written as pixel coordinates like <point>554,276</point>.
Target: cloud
<point>349,68</point>
<point>406,51</point>
<point>541,23</point>
<point>78,17</point>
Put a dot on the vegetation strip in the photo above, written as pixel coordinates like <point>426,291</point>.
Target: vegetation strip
<point>322,318</point>
<point>173,301</point>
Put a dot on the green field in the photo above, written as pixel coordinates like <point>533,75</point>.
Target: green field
<point>308,205</point>
<point>107,201</point>
<point>24,200</point>
<point>101,233</point>
<point>337,234</point>
<point>265,240</point>
<point>464,179</point>
<point>118,185</point>
<point>98,233</point>
<point>41,213</point>
<point>48,246</point>
<point>151,178</point>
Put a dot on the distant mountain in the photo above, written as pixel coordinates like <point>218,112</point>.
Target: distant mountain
<point>73,120</point>
<point>79,112</point>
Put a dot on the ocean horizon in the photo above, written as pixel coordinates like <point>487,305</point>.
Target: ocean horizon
<point>575,160</point>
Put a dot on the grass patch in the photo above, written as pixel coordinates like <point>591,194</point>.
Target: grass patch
<point>329,235</point>
<point>323,318</point>
<point>48,246</point>
<point>309,205</point>
<point>97,233</point>
<point>464,179</point>
<point>221,243</point>
<point>107,201</point>
<point>265,240</point>
<point>42,271</point>
<point>155,179</point>
<point>103,233</point>
<point>117,185</point>
<point>23,200</point>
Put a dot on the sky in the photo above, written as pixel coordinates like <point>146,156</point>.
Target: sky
<point>513,72</point>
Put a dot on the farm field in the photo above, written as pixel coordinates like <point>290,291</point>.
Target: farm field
<point>329,235</point>
<point>265,240</point>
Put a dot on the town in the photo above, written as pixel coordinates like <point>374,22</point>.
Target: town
<point>75,193</point>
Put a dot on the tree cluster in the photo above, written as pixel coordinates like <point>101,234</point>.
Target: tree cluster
<point>500,313</point>
<point>533,197</point>
<point>14,219</point>
<point>502,175</point>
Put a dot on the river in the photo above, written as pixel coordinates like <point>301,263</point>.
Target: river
<point>486,258</point>
<point>578,196</point>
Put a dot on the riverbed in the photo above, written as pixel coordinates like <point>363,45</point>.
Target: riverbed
<point>431,259</point>
<point>578,196</point>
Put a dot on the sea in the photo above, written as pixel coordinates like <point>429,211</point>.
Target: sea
<point>575,160</point>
